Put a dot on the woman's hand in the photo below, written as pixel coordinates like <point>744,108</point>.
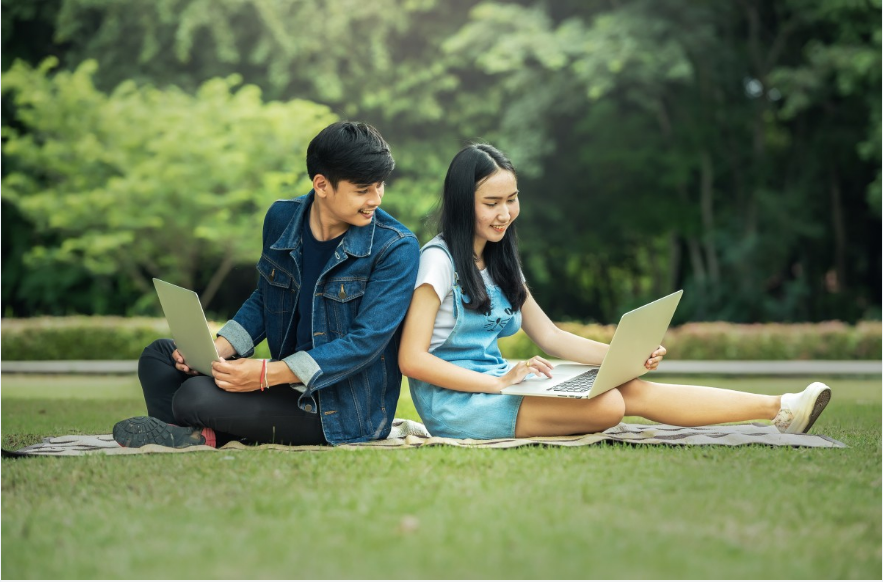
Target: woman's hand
<point>535,365</point>
<point>237,375</point>
<point>656,358</point>
<point>181,365</point>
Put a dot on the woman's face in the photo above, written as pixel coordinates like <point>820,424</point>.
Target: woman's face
<point>497,206</point>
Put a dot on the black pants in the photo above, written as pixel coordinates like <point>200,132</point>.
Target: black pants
<point>269,416</point>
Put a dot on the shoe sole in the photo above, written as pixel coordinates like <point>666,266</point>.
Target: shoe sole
<point>822,400</point>
<point>146,430</point>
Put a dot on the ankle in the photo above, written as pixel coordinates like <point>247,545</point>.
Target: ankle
<point>209,436</point>
<point>776,403</point>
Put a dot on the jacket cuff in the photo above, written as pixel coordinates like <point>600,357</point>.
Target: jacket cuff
<point>238,337</point>
<point>304,367</point>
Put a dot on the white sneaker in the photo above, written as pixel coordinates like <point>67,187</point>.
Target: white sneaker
<point>798,412</point>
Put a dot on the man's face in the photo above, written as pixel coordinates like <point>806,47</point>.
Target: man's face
<point>350,203</point>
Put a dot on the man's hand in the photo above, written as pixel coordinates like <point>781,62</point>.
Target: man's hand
<point>181,365</point>
<point>237,375</point>
<point>225,350</point>
<point>656,358</point>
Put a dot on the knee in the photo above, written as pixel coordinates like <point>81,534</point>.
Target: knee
<point>632,389</point>
<point>159,349</point>
<point>610,409</point>
<point>154,359</point>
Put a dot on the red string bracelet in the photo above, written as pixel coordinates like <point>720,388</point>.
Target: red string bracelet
<point>262,376</point>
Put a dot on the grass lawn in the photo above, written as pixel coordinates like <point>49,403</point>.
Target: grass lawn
<point>607,511</point>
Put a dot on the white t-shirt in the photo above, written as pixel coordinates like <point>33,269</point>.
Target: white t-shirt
<point>437,270</point>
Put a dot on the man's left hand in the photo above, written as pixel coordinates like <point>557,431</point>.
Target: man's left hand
<point>242,375</point>
<point>655,358</point>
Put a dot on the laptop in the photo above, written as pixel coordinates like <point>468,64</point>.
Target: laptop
<point>637,336</point>
<point>186,319</point>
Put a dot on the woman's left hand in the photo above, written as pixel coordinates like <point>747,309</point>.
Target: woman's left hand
<point>655,358</point>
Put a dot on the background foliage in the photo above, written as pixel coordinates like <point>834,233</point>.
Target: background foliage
<point>729,148</point>
<point>118,338</point>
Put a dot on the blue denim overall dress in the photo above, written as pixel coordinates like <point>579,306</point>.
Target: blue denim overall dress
<point>471,345</point>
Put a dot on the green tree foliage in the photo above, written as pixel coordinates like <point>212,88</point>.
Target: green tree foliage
<point>730,148</point>
<point>145,182</point>
<point>675,159</point>
<point>842,63</point>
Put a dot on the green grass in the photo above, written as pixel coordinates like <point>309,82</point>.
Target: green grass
<point>609,511</point>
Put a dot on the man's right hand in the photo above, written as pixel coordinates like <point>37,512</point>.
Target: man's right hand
<point>224,347</point>
<point>181,365</point>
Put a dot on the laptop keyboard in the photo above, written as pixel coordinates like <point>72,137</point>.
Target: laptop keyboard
<point>578,384</point>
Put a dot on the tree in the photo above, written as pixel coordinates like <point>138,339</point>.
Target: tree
<point>148,183</point>
<point>729,148</point>
<point>660,140</point>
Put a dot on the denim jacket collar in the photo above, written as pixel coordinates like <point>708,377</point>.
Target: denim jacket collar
<point>357,241</point>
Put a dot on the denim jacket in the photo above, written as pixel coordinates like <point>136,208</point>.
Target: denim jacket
<point>351,375</point>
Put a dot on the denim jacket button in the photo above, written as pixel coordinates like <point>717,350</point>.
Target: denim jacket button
<point>309,408</point>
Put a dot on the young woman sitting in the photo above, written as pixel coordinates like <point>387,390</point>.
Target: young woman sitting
<point>470,291</point>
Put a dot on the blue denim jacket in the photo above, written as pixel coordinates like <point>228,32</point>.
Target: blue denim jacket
<point>351,375</point>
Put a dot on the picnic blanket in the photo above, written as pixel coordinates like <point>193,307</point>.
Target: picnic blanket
<point>408,434</point>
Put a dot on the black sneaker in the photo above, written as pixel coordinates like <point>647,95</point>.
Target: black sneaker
<point>147,430</point>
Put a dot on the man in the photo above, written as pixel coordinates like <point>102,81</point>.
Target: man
<point>335,279</point>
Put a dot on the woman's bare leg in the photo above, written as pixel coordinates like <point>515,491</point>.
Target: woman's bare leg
<point>540,416</point>
<point>684,405</point>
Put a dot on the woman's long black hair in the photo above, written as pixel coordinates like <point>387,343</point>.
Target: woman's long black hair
<point>469,167</point>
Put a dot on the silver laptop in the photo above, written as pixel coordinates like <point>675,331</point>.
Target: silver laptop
<point>639,333</point>
<point>189,326</point>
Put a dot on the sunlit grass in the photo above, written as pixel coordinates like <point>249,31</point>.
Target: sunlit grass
<point>601,511</point>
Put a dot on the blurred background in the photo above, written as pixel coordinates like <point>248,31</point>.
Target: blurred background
<point>732,149</point>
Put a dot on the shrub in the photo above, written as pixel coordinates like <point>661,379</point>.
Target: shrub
<point>831,340</point>
<point>85,338</point>
<point>118,338</point>
<point>114,185</point>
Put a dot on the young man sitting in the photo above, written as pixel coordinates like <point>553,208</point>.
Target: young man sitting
<point>335,279</point>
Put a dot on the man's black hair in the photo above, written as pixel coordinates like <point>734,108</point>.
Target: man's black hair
<point>352,151</point>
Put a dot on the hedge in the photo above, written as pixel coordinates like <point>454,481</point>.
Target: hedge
<point>85,338</point>
<point>118,338</point>
<point>831,340</point>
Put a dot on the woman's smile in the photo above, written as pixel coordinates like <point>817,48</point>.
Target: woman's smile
<point>497,207</point>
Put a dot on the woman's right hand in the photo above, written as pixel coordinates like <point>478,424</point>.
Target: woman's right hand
<point>535,365</point>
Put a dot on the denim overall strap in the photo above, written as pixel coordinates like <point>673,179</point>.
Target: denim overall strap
<point>472,345</point>
<point>473,341</point>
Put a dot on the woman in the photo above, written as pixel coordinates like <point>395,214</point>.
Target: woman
<point>470,291</point>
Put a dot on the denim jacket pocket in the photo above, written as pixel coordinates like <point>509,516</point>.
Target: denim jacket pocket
<point>276,286</point>
<point>344,297</point>
<point>344,290</point>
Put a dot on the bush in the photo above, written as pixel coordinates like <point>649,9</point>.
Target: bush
<point>85,338</point>
<point>831,340</point>
<point>118,338</point>
<point>142,182</point>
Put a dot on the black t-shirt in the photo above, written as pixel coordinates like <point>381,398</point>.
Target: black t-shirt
<point>314,257</point>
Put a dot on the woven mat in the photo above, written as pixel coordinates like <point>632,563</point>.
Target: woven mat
<point>409,434</point>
